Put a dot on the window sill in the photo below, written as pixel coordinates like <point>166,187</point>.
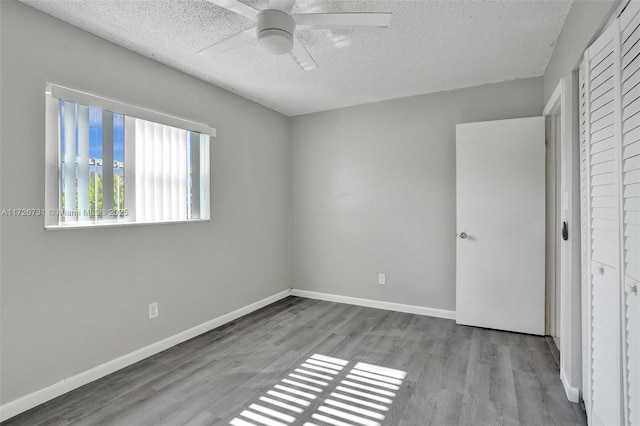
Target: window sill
<point>91,225</point>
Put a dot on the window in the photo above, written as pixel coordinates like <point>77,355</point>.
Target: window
<point>110,163</point>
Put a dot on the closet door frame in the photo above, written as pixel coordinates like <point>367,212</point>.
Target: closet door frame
<point>587,378</point>
<point>557,106</point>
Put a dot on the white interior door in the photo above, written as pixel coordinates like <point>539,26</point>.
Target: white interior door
<point>500,171</point>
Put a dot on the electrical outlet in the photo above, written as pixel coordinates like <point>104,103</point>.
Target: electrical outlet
<point>382,279</point>
<point>153,310</point>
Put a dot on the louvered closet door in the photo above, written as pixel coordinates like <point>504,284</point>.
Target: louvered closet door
<point>603,124</point>
<point>630,190</point>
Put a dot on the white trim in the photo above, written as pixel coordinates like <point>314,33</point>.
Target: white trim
<point>85,225</point>
<point>378,304</point>
<point>22,404</point>
<point>555,108</point>
<point>557,105</point>
<point>556,98</point>
<point>566,247</point>
<point>52,162</point>
<point>585,247</point>
<point>573,394</point>
<point>67,94</point>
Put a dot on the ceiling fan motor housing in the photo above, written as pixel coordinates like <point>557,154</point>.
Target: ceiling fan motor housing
<point>274,30</point>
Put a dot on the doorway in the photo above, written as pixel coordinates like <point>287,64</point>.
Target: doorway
<point>553,268</point>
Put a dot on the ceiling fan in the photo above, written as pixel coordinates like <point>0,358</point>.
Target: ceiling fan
<point>275,28</point>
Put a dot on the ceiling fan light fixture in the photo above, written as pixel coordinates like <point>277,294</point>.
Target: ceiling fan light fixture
<point>274,31</point>
<point>275,42</point>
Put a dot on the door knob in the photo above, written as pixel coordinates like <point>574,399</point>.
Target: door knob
<point>631,288</point>
<point>463,235</point>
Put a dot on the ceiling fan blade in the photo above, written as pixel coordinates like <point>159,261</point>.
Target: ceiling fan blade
<point>342,20</point>
<point>229,43</point>
<point>237,7</point>
<point>302,57</point>
<point>284,5</point>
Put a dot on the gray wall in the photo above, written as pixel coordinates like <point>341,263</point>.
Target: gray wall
<point>583,24</point>
<point>373,190</point>
<point>74,299</point>
<point>585,19</point>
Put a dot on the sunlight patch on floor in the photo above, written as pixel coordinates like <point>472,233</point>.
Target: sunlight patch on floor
<point>361,397</point>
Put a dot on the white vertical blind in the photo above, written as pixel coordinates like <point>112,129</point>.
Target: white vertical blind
<point>69,160</point>
<point>182,176</point>
<point>153,171</point>
<point>107,164</point>
<point>173,175</point>
<point>156,148</point>
<point>195,175</point>
<point>188,176</point>
<point>130,175</point>
<point>147,171</point>
<point>166,172</point>
<point>140,163</point>
<point>161,172</point>
<point>83,162</point>
<point>205,203</point>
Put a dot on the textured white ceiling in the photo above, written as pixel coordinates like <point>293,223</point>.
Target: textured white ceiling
<point>431,46</point>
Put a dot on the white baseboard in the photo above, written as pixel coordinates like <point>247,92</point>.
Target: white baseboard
<point>38,397</point>
<point>389,306</point>
<point>573,394</point>
<point>41,396</point>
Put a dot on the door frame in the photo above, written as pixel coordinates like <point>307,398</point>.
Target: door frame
<point>552,216</point>
<point>570,330</point>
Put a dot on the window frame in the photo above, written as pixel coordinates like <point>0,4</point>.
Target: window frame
<point>53,94</point>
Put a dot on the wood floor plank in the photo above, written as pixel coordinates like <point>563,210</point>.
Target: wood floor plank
<point>455,375</point>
